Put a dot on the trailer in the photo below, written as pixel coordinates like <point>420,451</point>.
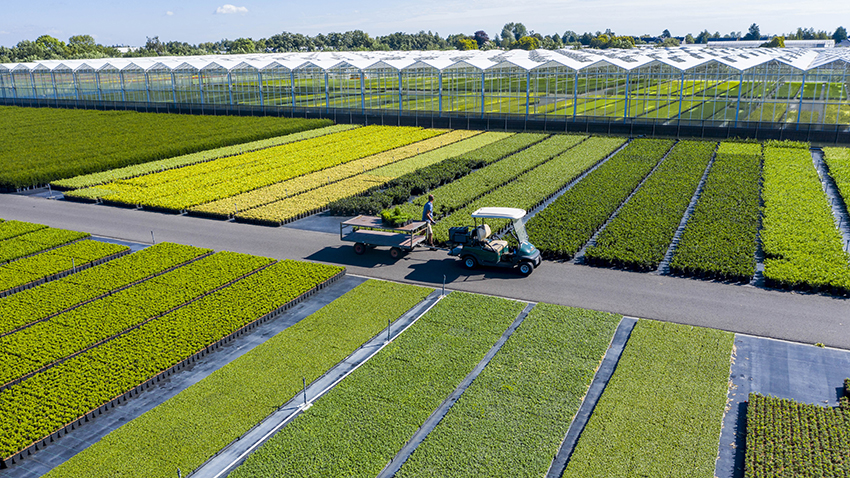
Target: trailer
<point>367,232</point>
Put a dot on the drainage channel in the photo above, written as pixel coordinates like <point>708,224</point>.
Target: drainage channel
<point>836,203</point>
<point>588,404</point>
<point>664,266</point>
<point>237,451</point>
<point>401,457</point>
<point>579,257</point>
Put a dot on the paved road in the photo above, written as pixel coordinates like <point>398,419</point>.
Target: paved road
<point>806,318</point>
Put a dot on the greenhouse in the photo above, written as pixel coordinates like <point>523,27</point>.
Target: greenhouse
<point>685,85</point>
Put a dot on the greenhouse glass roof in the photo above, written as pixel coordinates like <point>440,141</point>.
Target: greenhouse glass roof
<point>680,58</point>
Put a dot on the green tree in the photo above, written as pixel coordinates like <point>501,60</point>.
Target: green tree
<point>689,39</point>
<point>242,45</point>
<point>52,47</point>
<point>526,43</point>
<point>669,43</point>
<point>666,34</point>
<point>753,33</point>
<point>466,43</point>
<point>840,34</point>
<point>703,37</point>
<point>775,42</point>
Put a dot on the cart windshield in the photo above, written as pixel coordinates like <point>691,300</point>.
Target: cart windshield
<point>519,229</point>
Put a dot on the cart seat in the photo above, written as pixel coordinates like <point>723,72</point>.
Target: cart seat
<point>498,245</point>
<point>482,232</point>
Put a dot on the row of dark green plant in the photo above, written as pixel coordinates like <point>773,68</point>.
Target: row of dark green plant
<point>399,190</point>
<point>39,145</point>
<point>638,238</point>
<point>838,161</point>
<point>180,434</point>
<point>788,438</point>
<point>10,229</point>
<point>560,230</point>
<point>28,350</point>
<point>719,240</point>
<point>32,305</point>
<point>802,245</point>
<point>48,401</point>
<point>456,194</point>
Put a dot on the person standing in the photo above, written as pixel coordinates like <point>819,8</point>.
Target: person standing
<point>428,217</point>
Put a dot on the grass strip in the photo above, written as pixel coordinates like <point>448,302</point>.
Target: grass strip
<point>512,419</point>
<point>191,427</point>
<point>802,244</point>
<point>719,240</point>
<point>662,410</point>
<point>638,238</point>
<point>560,230</point>
<point>25,271</point>
<point>48,401</point>
<point>127,172</point>
<point>361,424</point>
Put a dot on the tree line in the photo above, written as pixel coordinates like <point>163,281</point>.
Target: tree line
<point>512,36</point>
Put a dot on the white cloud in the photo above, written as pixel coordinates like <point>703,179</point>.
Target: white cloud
<point>228,9</point>
<point>169,13</point>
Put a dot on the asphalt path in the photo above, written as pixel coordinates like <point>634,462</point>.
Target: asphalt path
<point>793,316</point>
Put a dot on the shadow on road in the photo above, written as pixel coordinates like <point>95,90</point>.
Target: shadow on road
<point>433,271</point>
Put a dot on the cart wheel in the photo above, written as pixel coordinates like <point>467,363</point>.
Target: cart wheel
<point>469,262</point>
<point>526,268</point>
<point>395,253</point>
<point>359,248</point>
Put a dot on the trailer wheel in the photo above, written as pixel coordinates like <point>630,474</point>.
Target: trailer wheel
<point>359,248</point>
<point>526,268</point>
<point>395,252</point>
<point>469,262</point>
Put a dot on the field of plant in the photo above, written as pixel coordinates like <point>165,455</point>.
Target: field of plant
<point>661,412</point>
<point>318,199</point>
<point>640,235</point>
<point>560,230</point>
<point>181,188</point>
<point>838,161</point>
<point>399,190</point>
<point>802,244</point>
<point>39,145</point>
<point>308,182</point>
<point>459,193</point>
<point>47,300</point>
<point>787,438</point>
<point>43,266</point>
<point>49,400</point>
<point>180,434</point>
<point>127,172</point>
<point>42,344</point>
<point>512,419</point>
<point>534,186</point>
<point>719,240</point>
<point>360,425</point>
<point>38,239</point>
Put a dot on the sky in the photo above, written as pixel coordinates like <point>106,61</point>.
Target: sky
<point>196,21</point>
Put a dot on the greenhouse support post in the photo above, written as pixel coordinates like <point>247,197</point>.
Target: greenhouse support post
<point>800,104</point>
<point>399,91</point>
<point>626,109</point>
<point>362,91</point>
<point>260,87</point>
<point>32,85</point>
<point>482,94</point>
<point>327,95</point>
<point>121,83</point>
<point>173,87</point>
<point>147,86</point>
<point>575,95</point>
<point>201,85</point>
<point>440,94</point>
<point>681,88</point>
<point>76,85</point>
<point>527,92</point>
<point>53,81</point>
<point>97,84</point>
<point>740,89</point>
<point>292,86</point>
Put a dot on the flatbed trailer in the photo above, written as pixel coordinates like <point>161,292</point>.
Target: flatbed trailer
<point>370,231</point>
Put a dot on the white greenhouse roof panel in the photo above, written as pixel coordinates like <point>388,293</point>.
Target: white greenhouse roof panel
<point>681,58</point>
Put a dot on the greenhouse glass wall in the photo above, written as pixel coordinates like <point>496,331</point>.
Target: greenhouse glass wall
<point>685,85</point>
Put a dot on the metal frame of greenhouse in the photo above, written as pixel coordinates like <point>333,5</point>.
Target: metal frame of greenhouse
<point>744,89</point>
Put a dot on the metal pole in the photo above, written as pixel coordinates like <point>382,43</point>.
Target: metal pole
<point>201,85</point>
<point>389,334</point>
<point>327,95</point>
<point>626,112</point>
<point>681,87</point>
<point>230,88</point>
<point>173,87</point>
<point>362,92</point>
<point>153,241</point>
<point>800,104</point>
<point>575,95</point>
<point>147,86</point>
<point>304,381</point>
<point>440,93</point>
<point>32,85</point>
<point>73,265</point>
<point>482,94</point>
<point>738,104</point>
<point>399,92</point>
<point>292,86</point>
<point>527,92</point>
<point>444,286</point>
<point>53,80</point>
<point>97,85</point>
<point>260,86</point>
